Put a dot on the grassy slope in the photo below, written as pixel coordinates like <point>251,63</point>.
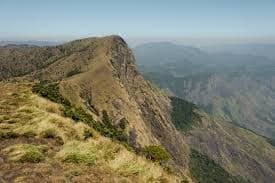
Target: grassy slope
<point>38,143</point>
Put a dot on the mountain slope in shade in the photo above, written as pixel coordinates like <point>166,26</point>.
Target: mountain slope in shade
<point>99,74</point>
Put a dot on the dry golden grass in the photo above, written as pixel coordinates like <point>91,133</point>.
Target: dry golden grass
<point>109,155</point>
<point>25,153</point>
<point>31,116</point>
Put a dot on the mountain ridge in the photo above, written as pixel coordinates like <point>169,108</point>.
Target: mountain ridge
<point>99,74</point>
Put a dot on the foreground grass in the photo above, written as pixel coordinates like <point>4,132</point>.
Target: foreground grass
<point>25,153</point>
<point>34,130</point>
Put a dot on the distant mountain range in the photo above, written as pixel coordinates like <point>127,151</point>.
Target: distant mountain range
<point>35,43</point>
<point>266,50</point>
<point>237,86</point>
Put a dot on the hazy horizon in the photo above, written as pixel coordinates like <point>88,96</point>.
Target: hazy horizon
<point>193,23</point>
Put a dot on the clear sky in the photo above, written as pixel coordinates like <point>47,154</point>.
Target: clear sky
<point>68,19</point>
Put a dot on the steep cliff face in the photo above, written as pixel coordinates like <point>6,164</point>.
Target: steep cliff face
<point>108,80</point>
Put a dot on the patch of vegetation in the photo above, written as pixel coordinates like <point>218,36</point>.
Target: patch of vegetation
<point>80,159</point>
<point>205,170</point>
<point>49,133</point>
<point>73,72</point>
<point>51,91</point>
<point>156,153</point>
<point>123,123</point>
<point>184,180</point>
<point>183,115</point>
<point>110,130</point>
<point>77,152</point>
<point>29,134</point>
<point>26,153</point>
<point>88,134</point>
<point>271,141</point>
<point>8,134</point>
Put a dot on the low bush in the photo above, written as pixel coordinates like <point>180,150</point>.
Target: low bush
<point>88,134</point>
<point>156,153</point>
<point>184,180</point>
<point>51,92</point>
<point>123,123</point>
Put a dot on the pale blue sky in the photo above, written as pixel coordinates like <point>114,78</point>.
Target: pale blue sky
<point>68,19</point>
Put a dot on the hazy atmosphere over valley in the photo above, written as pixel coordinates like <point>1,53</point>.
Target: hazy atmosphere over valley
<point>142,91</point>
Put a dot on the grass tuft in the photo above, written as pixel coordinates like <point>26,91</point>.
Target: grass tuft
<point>25,153</point>
<point>77,152</point>
<point>49,133</point>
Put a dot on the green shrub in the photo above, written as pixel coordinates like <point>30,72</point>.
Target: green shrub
<point>183,115</point>
<point>184,180</point>
<point>156,153</point>
<point>110,130</point>
<point>123,123</point>
<point>88,134</point>
<point>105,119</point>
<point>51,92</point>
